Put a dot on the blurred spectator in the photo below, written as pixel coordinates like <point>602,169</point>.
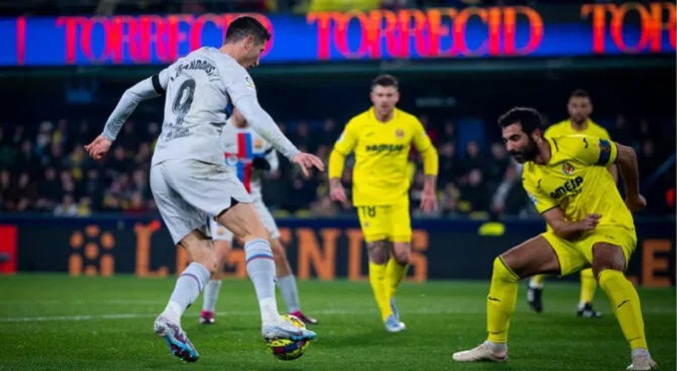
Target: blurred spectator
<point>509,198</point>
<point>40,165</point>
<point>474,195</point>
<point>620,132</point>
<point>85,207</point>
<point>430,129</point>
<point>301,137</point>
<point>27,159</point>
<point>7,150</point>
<point>449,132</point>
<point>329,133</point>
<point>473,158</point>
<point>136,204</point>
<point>450,167</point>
<point>67,207</point>
<point>50,189</point>
<point>496,167</point>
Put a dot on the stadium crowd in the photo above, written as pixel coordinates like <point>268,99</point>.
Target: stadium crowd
<point>43,168</point>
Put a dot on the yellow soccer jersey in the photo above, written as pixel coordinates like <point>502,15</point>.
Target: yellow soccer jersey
<point>380,175</point>
<point>576,180</point>
<point>563,128</point>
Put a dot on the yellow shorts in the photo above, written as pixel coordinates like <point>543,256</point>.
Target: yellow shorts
<point>576,255</point>
<point>386,222</point>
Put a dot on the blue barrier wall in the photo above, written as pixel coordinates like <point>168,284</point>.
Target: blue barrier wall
<point>320,248</point>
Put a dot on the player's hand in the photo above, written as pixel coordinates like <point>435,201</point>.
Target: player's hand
<point>337,193</point>
<point>589,223</point>
<point>635,203</point>
<point>98,148</point>
<point>307,162</point>
<point>428,201</point>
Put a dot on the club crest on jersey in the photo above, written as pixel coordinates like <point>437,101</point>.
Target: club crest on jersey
<point>399,133</point>
<point>567,168</point>
<point>220,231</point>
<point>248,81</point>
<point>258,143</point>
<point>231,159</point>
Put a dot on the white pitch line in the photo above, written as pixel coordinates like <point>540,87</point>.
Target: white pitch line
<point>652,310</point>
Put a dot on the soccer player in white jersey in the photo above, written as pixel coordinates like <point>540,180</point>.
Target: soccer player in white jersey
<point>249,155</point>
<point>189,181</point>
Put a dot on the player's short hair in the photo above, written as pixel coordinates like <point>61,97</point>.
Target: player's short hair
<point>245,26</point>
<point>579,93</point>
<point>529,118</point>
<point>385,80</point>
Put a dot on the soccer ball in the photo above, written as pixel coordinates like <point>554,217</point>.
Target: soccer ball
<point>286,349</point>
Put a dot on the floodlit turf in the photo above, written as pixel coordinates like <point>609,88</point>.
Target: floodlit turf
<point>59,322</point>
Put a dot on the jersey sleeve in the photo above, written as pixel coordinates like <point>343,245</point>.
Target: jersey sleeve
<point>348,139</point>
<point>421,139</point>
<point>242,92</point>
<point>151,87</point>
<point>588,150</point>
<point>541,200</point>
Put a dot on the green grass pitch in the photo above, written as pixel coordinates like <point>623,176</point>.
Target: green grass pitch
<point>56,322</point>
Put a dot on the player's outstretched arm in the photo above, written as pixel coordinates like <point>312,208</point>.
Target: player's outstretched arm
<point>261,121</point>
<point>566,229</point>
<point>149,88</point>
<point>627,163</point>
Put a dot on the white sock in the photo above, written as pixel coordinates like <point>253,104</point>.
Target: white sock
<point>290,293</point>
<point>261,270</point>
<point>210,295</point>
<point>188,287</point>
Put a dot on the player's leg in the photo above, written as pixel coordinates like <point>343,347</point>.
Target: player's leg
<point>534,256</point>
<point>400,255</point>
<point>243,220</point>
<point>375,230</point>
<point>286,281</point>
<point>535,292</point>
<point>608,263</point>
<point>215,191</point>
<point>221,238</point>
<point>588,287</point>
<point>184,223</point>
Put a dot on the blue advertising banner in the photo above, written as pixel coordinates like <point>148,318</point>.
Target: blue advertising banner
<point>325,249</point>
<point>512,31</point>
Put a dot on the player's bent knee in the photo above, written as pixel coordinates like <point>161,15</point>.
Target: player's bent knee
<point>378,251</point>
<point>503,272</point>
<point>402,256</point>
<point>206,256</point>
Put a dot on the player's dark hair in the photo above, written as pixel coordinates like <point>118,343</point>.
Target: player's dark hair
<point>385,80</point>
<point>579,93</point>
<point>529,118</point>
<point>245,26</point>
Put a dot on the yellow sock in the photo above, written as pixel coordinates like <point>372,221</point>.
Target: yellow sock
<point>537,280</point>
<point>625,302</point>
<point>588,286</point>
<point>394,274</point>
<point>378,285</point>
<point>501,301</point>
